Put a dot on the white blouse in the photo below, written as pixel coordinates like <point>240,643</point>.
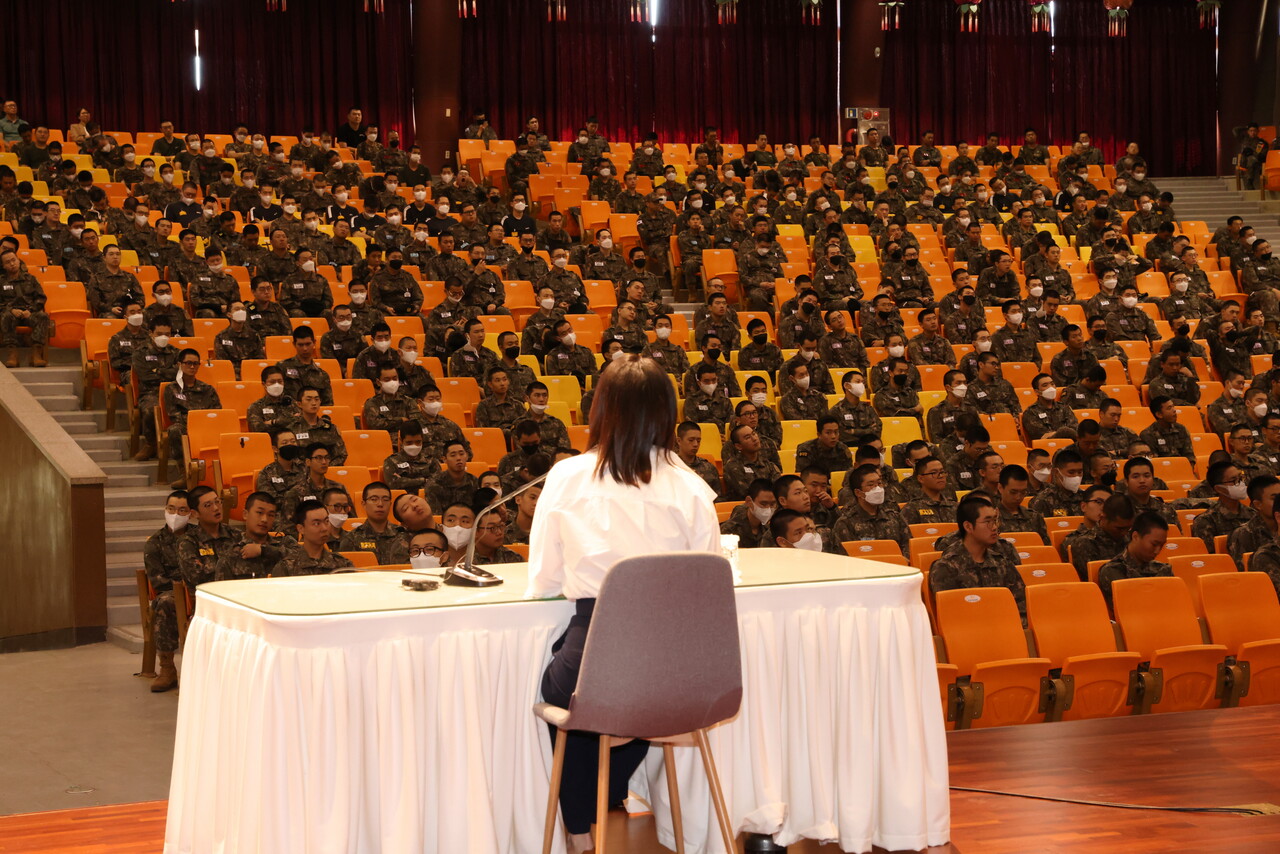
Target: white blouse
<point>585,524</point>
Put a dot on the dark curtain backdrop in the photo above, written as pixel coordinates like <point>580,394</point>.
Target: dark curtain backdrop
<point>1157,87</point>
<point>768,72</point>
<point>964,85</point>
<point>130,62</point>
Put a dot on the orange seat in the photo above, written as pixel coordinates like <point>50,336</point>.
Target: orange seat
<point>354,478</point>
<point>343,417</point>
<point>95,367</point>
<point>1175,546</point>
<point>68,310</point>
<point>1071,628</point>
<point>464,391</point>
<point>351,394</point>
<point>1047,573</point>
<point>1243,614</point>
<point>873,549</point>
<point>984,640</point>
<point>361,560</point>
<point>239,396</point>
<point>200,446</point>
<point>1038,553</point>
<point>488,444</point>
<point>1019,374</point>
<point>1159,623</point>
<point>1003,427</point>
<point>579,436</point>
<point>1189,567</point>
<point>723,264</point>
<point>368,448</point>
<point>235,470</point>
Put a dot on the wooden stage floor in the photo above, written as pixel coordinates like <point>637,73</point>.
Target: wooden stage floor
<point>1219,758</point>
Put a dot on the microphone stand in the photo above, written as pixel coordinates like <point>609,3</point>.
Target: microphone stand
<point>469,575</point>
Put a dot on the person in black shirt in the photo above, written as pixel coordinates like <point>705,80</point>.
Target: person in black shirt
<point>351,134</point>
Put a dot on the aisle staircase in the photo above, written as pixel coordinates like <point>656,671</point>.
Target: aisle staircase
<point>1214,199</point>
<point>134,507</point>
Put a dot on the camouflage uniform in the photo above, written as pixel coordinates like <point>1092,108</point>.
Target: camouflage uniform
<point>276,482</point>
<point>231,566</point>
<point>1093,544</point>
<point>324,432</point>
<point>840,351</point>
<point>1169,440</point>
<point>388,412</point>
<point>857,420</point>
<point>437,433</point>
<point>738,474</point>
<point>1116,441</point>
<point>941,420</point>
<point>198,553</point>
<point>411,474</point>
<point>1184,390</point>
<point>1077,396</point>
<point>1068,368</point>
<point>672,358</point>
<point>896,402</point>
<point>237,346</point>
<point>936,351</point>
<point>994,397</point>
<point>575,361</point>
<point>1015,344</point>
<point>956,570</point>
<point>654,231</point>
<point>1125,566</point>
<point>1217,520</point>
<point>442,490</point>
<point>857,524</point>
<point>1039,420</point>
<point>501,414</point>
<point>298,374</point>
<point>739,523</point>
<point>1053,500</point>
<point>1260,279</point>
<point>807,405</point>
<point>391,546</point>
<point>1022,519</point>
<point>298,562</point>
<point>1131,324</point>
<point>23,291</point>
<point>269,319</point>
<point>706,408</point>
<point>814,453</point>
<point>164,566</point>
<point>1267,559</point>
<point>921,510</point>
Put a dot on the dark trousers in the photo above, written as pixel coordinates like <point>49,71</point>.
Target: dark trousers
<point>582,750</point>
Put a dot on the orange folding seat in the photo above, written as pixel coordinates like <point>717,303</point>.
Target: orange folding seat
<point>1243,614</point>
<point>1071,628</point>
<point>1047,573</point>
<point>1189,567</point>
<point>368,448</point>
<point>235,470</point>
<point>1159,623</point>
<point>200,446</point>
<point>984,640</point>
<point>487,444</point>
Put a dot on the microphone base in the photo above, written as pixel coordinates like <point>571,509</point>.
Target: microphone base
<point>474,577</point>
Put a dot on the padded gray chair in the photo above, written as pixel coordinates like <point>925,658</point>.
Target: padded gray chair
<point>662,663</point>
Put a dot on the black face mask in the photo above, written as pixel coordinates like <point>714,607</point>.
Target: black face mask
<point>884,315</point>
<point>290,453</point>
<point>1184,330</point>
<point>895,255</point>
<point>900,380</point>
<point>806,307</point>
<point>1112,242</point>
<point>968,299</point>
<point>395,264</point>
<point>837,260</point>
<point>495,199</point>
<point>528,250</point>
<point>528,450</point>
<point>760,340</point>
<point>511,352</point>
<point>1265,256</point>
<point>1100,335</point>
<point>713,354</point>
<point>912,262</point>
<point>639,263</point>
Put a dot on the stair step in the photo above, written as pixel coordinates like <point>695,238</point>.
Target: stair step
<point>53,373</point>
<point>128,481</point>
<point>137,528</point>
<point>122,610</point>
<point>103,442</point>
<point>148,496</point>
<point>127,636</point>
<point>124,544</point>
<point>50,389</point>
<point>122,586</point>
<point>105,455</point>
<point>59,402</point>
<point>133,512</point>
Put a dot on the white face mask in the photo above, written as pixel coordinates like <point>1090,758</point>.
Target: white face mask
<point>982,197</point>
<point>391,386</point>
<point>762,514</point>
<point>547,303</point>
<point>167,177</point>
<point>810,542</point>
<point>1180,286</point>
<point>359,298</point>
<point>561,262</point>
<point>856,389</point>
<point>982,346</point>
<point>1072,484</point>
<point>443,207</point>
<point>134,319</point>
<point>240,315</point>
<point>960,390</point>
<point>1050,393</point>
<point>1041,475</point>
<point>309,266</point>
<point>162,341</point>
<point>1128,302</point>
<point>411,450</point>
<point>296,171</point>
<point>570,339</point>
<point>1109,284</point>
<point>802,383</point>
<point>874,497</point>
<point>1015,318</point>
<point>808,355</point>
<point>538,407</point>
<point>275,389</point>
<point>424,562</point>
<point>337,520</point>
<point>382,346</point>
<point>606,243</point>
<point>708,388</point>
<point>896,350</point>
<point>409,357</point>
<point>759,398</point>
<point>696,203</point>
<point>394,219</point>
<point>1260,410</point>
<point>457,536</point>
<point>663,332</point>
<point>1237,491</point>
<point>791,196</point>
<point>1036,291</point>
<point>433,407</point>
<point>175,521</point>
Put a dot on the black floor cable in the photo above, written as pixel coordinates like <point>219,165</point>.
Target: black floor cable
<point>1226,810</point>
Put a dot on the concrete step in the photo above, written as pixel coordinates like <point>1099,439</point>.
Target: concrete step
<point>105,455</point>
<point>127,636</point>
<point>53,373</point>
<point>122,586</point>
<point>49,388</point>
<point>129,481</point>
<point>122,610</point>
<point>59,402</point>
<point>148,496</point>
<point>140,529</point>
<point>123,564</point>
<point>119,544</point>
<point>84,428</point>
<point>134,512</point>
<point>103,442</point>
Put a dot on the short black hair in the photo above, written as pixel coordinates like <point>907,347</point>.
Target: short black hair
<point>304,507</point>
<point>1146,522</point>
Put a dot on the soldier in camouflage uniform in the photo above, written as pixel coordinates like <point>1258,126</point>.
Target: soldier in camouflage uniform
<point>857,419</point>
<point>867,517</point>
<point>1166,436</point>
<point>284,473</point>
<point>207,540</point>
<point>1014,482</point>
<point>501,406</point>
<point>825,452</point>
<point>414,464</point>
<point>388,409</point>
<point>1015,341</point>
<point>898,399</point>
<point>163,566</point>
<point>1047,415</point>
<point>258,548</point>
<point>656,226</point>
<point>238,341</point>
<point>1107,538</point>
<point>312,427</point>
<point>377,534</point>
<point>312,555</point>
<point>454,484</point>
<point>1230,486</point>
<point>300,370</point>
<point>187,394</point>
<point>802,402</point>
<point>936,504</point>
<point>1062,497</point>
<point>748,463</point>
<point>976,559</point>
<point>1260,279</point>
<point>1138,558</point>
<point>941,419</point>
<point>22,302</point>
<point>989,392</point>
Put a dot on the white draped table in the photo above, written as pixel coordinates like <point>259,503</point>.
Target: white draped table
<point>343,714</point>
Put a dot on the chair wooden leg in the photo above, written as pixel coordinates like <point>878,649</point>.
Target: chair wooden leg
<point>182,612</point>
<point>602,795</point>
<point>148,631</point>
<point>557,770</point>
<point>673,790</point>
<point>717,794</point>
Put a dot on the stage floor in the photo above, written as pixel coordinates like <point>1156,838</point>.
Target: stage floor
<point>1218,758</point>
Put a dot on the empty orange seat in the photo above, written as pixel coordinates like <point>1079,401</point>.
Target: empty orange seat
<point>1243,614</point>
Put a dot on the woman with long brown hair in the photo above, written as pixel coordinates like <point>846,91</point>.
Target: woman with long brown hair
<point>628,494</point>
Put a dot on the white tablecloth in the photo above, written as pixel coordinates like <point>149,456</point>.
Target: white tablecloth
<point>341,714</point>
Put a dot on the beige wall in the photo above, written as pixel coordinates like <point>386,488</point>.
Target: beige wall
<point>52,538</point>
